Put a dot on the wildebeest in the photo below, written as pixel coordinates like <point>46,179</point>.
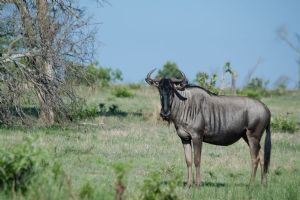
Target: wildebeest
<point>202,116</point>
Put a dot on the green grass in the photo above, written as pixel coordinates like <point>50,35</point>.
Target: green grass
<point>88,152</point>
<point>289,103</point>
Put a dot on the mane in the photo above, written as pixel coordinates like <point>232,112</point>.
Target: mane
<point>204,89</point>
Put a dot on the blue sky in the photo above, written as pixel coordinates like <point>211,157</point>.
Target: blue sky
<point>137,35</point>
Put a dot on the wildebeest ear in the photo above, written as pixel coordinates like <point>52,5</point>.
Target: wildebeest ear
<point>181,86</point>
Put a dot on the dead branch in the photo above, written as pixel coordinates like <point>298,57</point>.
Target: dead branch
<point>43,37</point>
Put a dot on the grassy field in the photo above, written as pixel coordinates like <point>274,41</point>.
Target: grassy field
<point>132,136</point>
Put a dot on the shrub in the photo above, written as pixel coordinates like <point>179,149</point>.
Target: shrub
<point>96,74</point>
<point>113,109</point>
<point>256,88</point>
<point>26,172</point>
<point>284,123</point>
<point>84,113</point>
<point>18,166</point>
<point>250,93</point>
<point>155,188</point>
<point>102,108</point>
<point>51,183</point>
<point>121,92</point>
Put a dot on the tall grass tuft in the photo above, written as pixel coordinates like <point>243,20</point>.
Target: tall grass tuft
<point>87,191</point>
<point>121,169</point>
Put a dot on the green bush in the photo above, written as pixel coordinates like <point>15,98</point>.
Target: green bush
<point>260,93</point>
<point>284,123</point>
<point>155,187</point>
<point>26,172</point>
<point>256,88</point>
<point>113,109</point>
<point>121,92</point>
<point>96,74</point>
<point>250,93</point>
<point>18,166</point>
<point>84,113</point>
<point>51,183</point>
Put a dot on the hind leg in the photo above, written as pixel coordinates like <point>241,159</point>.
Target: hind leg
<point>252,140</point>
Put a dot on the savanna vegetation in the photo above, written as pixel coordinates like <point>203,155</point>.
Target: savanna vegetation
<point>117,146</point>
<point>73,130</point>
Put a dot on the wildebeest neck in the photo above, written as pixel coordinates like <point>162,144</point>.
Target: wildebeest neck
<point>186,104</point>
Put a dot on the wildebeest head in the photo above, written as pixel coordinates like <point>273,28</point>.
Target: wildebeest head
<point>167,88</point>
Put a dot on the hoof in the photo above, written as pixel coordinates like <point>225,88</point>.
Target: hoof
<point>264,182</point>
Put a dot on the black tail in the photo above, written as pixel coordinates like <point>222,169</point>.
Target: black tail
<point>267,150</point>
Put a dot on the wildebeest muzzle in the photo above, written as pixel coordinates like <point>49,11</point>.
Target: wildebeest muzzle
<point>165,115</point>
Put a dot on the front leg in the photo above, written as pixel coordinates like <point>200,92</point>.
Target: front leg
<point>188,158</point>
<point>197,145</point>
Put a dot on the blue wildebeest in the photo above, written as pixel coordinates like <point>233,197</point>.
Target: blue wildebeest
<point>202,116</point>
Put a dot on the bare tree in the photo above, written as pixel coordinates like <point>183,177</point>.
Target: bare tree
<point>46,37</point>
<point>252,70</point>
<point>227,69</point>
<point>295,46</point>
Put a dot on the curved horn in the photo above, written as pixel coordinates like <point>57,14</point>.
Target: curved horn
<point>151,81</point>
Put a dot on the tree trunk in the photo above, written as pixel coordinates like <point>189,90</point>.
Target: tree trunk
<point>46,112</point>
<point>44,70</point>
<point>223,83</point>
<point>46,95</point>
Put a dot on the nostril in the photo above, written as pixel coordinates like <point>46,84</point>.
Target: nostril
<point>165,114</point>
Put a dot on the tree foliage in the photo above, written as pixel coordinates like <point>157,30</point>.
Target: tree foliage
<point>207,82</point>
<point>92,75</point>
<point>169,70</point>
